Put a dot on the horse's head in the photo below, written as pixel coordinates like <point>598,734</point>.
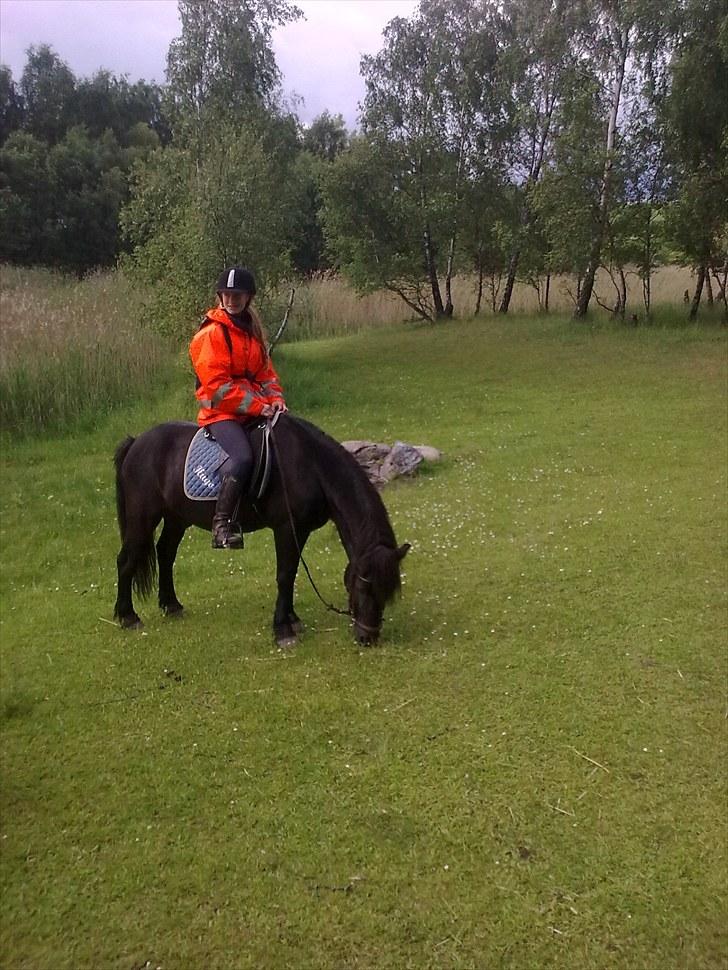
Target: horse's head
<point>371,581</point>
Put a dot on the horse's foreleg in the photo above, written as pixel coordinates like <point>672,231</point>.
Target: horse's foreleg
<point>167,546</point>
<point>286,624</point>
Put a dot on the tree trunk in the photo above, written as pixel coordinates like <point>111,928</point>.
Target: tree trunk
<point>432,275</point>
<point>548,290</point>
<point>708,289</point>
<point>623,292</point>
<point>621,38</point>
<point>721,283</point>
<point>533,177</point>
<point>647,266</point>
<point>510,280</point>
<point>647,291</point>
<point>427,245</point>
<point>451,252</point>
<point>698,293</point>
<point>448,278</point>
<point>479,297</point>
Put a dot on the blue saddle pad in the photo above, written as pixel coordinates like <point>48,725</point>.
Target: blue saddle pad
<point>204,460</point>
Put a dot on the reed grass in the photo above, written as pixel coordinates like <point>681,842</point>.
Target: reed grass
<point>72,350</point>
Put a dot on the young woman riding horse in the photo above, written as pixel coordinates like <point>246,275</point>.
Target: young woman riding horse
<point>312,480</point>
<point>236,384</point>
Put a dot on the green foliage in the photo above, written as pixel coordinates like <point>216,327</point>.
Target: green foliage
<point>66,148</point>
<point>224,192</point>
<point>109,103</point>
<point>433,107</point>
<point>326,136</point>
<point>60,205</point>
<point>308,250</point>
<point>697,115</point>
<point>372,222</point>
<point>566,201</point>
<point>11,104</point>
<point>25,199</point>
<point>48,86</point>
<point>186,222</point>
<point>221,69</point>
<point>514,140</point>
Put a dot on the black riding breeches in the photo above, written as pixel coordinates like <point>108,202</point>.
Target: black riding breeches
<point>231,436</point>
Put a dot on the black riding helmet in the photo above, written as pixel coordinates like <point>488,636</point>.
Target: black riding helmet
<point>237,278</point>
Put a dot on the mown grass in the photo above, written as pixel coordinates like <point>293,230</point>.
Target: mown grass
<point>528,772</point>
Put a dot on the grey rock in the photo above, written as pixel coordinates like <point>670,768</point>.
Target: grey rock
<point>366,451</point>
<point>429,453</point>
<point>382,464</point>
<point>403,459</point>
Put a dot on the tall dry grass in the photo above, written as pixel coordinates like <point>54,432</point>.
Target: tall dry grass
<point>72,350</point>
<point>328,307</point>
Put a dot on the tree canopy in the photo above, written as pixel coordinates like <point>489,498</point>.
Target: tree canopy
<point>509,141</point>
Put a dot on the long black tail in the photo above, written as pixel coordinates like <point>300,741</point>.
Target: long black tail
<point>119,456</point>
<point>143,551</point>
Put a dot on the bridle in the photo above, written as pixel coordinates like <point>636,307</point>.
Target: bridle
<point>270,424</point>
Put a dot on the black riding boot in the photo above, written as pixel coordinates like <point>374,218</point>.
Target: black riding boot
<point>226,532</point>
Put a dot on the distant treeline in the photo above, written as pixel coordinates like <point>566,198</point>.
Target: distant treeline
<point>513,140</point>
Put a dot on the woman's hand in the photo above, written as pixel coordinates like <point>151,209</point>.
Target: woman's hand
<point>269,410</point>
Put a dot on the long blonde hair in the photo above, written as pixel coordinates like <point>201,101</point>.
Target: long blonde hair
<point>256,324</point>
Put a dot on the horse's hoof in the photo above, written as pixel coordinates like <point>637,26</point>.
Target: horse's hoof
<point>297,627</point>
<point>174,612</point>
<point>285,643</point>
<point>132,623</point>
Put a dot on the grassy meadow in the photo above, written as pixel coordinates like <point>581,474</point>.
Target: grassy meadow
<point>527,772</point>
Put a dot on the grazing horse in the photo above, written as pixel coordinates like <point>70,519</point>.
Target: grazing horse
<point>312,480</point>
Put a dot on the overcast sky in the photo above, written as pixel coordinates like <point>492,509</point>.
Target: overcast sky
<point>318,56</point>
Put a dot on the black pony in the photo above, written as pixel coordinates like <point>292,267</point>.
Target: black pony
<point>318,480</point>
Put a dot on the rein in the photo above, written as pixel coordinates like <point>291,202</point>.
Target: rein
<point>270,424</point>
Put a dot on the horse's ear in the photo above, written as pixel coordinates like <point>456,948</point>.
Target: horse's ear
<point>403,550</point>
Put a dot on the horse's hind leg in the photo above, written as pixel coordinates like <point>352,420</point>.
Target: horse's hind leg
<point>137,566</point>
<point>124,607</point>
<point>135,563</point>
<point>167,546</point>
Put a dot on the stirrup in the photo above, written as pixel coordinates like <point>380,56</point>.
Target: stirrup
<point>232,539</point>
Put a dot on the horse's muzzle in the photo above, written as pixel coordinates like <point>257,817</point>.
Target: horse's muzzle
<point>365,635</point>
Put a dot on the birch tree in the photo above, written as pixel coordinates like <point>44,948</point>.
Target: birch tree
<point>543,46</point>
<point>626,35</point>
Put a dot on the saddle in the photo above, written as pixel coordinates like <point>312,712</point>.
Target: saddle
<point>205,460</point>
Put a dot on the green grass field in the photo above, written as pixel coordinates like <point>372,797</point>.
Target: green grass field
<point>529,771</point>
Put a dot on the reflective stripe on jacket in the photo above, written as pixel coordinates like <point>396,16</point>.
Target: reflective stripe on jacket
<point>236,378</point>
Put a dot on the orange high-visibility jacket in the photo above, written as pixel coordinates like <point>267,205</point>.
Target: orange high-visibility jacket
<point>236,378</point>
